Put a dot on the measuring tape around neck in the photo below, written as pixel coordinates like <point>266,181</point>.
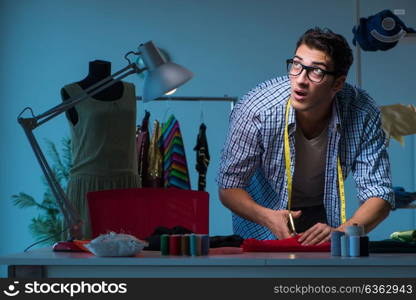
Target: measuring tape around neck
<point>289,174</point>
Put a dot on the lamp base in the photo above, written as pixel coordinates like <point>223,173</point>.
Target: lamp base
<point>67,246</point>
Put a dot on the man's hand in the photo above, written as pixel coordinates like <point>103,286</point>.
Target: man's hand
<point>278,220</point>
<point>317,234</point>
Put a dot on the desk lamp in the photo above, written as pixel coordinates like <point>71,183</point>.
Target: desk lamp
<point>162,77</point>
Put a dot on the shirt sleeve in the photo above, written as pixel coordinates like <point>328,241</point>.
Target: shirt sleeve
<point>371,169</point>
<point>242,151</point>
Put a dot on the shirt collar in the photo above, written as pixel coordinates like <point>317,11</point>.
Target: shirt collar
<point>334,124</point>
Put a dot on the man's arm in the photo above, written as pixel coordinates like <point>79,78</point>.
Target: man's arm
<point>240,202</point>
<point>369,215</point>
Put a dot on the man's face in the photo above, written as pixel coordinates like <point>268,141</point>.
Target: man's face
<point>308,96</point>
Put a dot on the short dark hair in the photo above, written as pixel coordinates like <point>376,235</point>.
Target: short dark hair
<point>335,45</point>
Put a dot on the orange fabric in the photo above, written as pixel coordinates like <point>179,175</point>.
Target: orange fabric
<point>80,244</point>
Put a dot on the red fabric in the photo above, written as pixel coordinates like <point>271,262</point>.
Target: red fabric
<point>140,211</point>
<point>285,245</point>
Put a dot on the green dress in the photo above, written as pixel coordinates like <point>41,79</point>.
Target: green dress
<point>103,148</point>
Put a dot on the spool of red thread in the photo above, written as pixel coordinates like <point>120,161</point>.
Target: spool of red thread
<point>175,244</point>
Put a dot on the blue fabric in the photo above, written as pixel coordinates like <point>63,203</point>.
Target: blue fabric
<point>253,154</point>
<point>370,42</point>
<point>402,197</point>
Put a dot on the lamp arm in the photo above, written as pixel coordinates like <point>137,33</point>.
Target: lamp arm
<point>89,92</point>
<point>71,216</point>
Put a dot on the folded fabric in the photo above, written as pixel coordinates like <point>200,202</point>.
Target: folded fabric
<point>403,198</point>
<point>392,246</point>
<point>285,245</point>
<point>404,236</point>
<point>225,241</point>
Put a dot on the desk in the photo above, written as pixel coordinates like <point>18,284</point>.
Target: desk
<point>46,263</point>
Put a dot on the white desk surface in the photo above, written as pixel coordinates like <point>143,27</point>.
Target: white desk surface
<point>258,264</point>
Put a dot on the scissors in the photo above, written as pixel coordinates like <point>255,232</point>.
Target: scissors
<point>292,228</point>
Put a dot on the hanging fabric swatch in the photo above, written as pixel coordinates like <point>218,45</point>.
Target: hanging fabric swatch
<point>142,144</point>
<point>202,157</point>
<point>155,170</point>
<point>175,168</point>
<point>398,120</point>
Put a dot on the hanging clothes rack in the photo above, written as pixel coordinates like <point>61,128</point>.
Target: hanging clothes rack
<point>232,100</point>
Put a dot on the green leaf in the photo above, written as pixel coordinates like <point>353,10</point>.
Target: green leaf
<point>49,222</point>
<point>42,228</point>
<point>23,200</point>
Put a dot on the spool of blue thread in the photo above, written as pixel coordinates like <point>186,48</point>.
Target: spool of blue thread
<point>354,246</point>
<point>345,249</point>
<point>336,243</point>
<point>204,244</point>
<point>192,244</point>
<point>354,230</point>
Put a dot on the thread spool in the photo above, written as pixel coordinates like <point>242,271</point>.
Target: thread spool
<point>336,243</point>
<point>185,244</point>
<point>198,244</point>
<point>175,244</point>
<point>355,230</point>
<point>364,246</point>
<point>204,244</point>
<point>354,244</point>
<point>164,244</point>
<point>192,244</point>
<point>345,249</point>
<point>362,232</point>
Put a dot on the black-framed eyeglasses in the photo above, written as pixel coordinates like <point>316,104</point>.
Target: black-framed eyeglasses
<point>315,74</point>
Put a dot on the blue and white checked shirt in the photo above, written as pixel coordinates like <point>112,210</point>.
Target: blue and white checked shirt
<point>253,155</point>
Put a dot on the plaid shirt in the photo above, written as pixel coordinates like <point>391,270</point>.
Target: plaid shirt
<point>253,155</point>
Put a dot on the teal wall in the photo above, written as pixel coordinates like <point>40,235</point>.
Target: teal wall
<point>229,45</point>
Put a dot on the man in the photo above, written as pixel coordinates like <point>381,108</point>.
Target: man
<point>329,125</point>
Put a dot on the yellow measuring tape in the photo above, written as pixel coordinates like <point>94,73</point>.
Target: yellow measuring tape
<point>289,174</point>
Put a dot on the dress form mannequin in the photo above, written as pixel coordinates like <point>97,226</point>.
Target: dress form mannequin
<point>103,144</point>
<point>98,70</point>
